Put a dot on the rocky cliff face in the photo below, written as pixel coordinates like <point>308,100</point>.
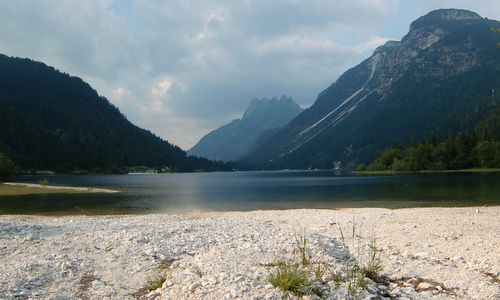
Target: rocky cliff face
<point>423,85</point>
<point>235,139</point>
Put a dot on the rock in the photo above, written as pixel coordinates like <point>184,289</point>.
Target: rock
<point>194,286</point>
<point>269,296</point>
<point>31,237</point>
<point>382,287</point>
<point>151,295</point>
<point>372,289</point>
<point>424,286</point>
<point>167,283</point>
<point>180,277</point>
<point>422,254</point>
<point>175,264</point>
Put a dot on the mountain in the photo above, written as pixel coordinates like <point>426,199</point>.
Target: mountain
<point>235,139</point>
<point>437,81</point>
<point>50,120</point>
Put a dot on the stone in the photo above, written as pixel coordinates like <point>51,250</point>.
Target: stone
<point>424,286</point>
<point>180,277</point>
<point>194,286</point>
<point>372,289</point>
<point>382,287</point>
<point>167,283</point>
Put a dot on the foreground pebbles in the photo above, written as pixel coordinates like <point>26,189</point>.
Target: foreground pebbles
<point>232,255</point>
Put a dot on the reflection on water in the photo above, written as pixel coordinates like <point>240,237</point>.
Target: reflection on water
<point>257,190</point>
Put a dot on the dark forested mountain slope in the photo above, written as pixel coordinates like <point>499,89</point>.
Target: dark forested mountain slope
<point>235,139</point>
<point>437,81</point>
<point>50,120</point>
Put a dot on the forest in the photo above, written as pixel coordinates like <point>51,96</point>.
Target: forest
<point>50,120</point>
<point>477,149</point>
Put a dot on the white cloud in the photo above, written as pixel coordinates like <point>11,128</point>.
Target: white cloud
<point>118,94</point>
<point>160,90</point>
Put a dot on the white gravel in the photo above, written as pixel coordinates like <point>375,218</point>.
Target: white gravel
<point>426,253</point>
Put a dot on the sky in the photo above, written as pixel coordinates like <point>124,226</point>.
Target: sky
<point>182,68</point>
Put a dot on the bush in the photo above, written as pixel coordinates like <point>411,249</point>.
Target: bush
<point>7,168</point>
<point>487,154</point>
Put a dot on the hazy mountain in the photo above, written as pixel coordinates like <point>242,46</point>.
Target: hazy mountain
<point>437,81</point>
<point>50,120</point>
<point>235,139</point>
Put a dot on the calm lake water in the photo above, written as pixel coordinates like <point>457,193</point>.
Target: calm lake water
<point>256,190</point>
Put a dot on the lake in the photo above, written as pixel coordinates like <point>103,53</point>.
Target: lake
<point>221,191</point>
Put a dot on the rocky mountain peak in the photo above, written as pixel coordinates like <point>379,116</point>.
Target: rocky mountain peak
<point>231,141</point>
<point>447,63</point>
<point>444,15</point>
<point>264,105</point>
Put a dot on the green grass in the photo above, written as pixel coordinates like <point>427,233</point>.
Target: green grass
<point>355,281</point>
<point>319,271</point>
<point>289,278</point>
<point>303,249</point>
<point>197,270</point>
<point>374,264</point>
<point>155,282</point>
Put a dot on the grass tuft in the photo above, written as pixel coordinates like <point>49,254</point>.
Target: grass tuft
<point>374,264</point>
<point>155,282</point>
<point>197,271</point>
<point>289,278</point>
<point>319,272</point>
<point>303,249</point>
<point>355,280</point>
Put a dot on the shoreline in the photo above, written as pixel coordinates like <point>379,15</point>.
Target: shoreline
<point>427,172</point>
<point>60,188</point>
<point>426,253</point>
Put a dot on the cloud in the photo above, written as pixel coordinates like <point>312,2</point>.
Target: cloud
<point>118,94</point>
<point>161,88</point>
<point>182,67</point>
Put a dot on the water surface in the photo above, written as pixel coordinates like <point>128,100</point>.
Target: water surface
<point>157,193</point>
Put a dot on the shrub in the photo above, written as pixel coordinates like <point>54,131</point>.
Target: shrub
<point>44,181</point>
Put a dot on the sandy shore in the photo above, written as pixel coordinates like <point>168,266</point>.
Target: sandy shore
<point>436,253</point>
<point>62,188</point>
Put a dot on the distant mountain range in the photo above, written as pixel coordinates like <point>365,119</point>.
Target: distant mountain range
<point>50,120</point>
<point>231,141</point>
<point>442,78</point>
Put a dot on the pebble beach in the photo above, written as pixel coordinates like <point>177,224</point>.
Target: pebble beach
<point>424,253</point>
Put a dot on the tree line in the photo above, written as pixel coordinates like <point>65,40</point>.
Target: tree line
<point>460,152</point>
<point>7,168</point>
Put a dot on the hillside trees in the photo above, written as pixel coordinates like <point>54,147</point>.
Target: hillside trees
<point>7,168</point>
